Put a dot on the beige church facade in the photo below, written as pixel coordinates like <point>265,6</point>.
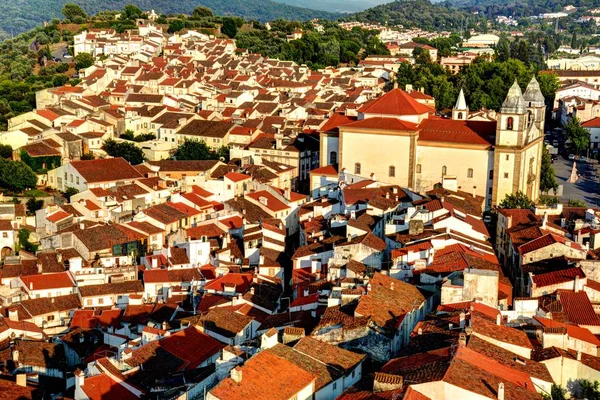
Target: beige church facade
<point>398,140</point>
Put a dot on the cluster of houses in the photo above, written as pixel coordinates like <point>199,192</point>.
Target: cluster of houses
<point>280,273</point>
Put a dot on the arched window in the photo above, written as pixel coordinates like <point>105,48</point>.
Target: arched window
<point>460,115</point>
<point>392,171</point>
<point>509,123</point>
<point>418,168</point>
<point>529,118</point>
<point>444,170</point>
<point>333,157</point>
<point>470,173</point>
<point>357,168</point>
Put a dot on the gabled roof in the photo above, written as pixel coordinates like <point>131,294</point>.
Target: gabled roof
<point>106,170</point>
<point>395,102</point>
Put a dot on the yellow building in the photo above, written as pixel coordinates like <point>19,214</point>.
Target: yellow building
<point>398,140</point>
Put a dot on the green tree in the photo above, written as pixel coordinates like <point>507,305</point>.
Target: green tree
<point>589,390</point>
<point>69,192</point>
<point>129,151</point>
<point>73,12</point>
<point>193,150</point>
<point>578,136</point>
<point>202,12</point>
<point>549,84</point>
<point>576,203</point>
<point>6,151</point>
<point>16,176</point>
<point>574,41</point>
<point>547,175</point>
<point>131,12</point>
<point>87,156</point>
<point>517,200</point>
<point>557,392</point>
<point>176,25</point>
<point>83,60</point>
<point>502,49</point>
<point>223,153</point>
<point>33,205</point>
<point>23,241</point>
<point>229,27</point>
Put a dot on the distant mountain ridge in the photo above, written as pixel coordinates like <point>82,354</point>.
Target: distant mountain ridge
<point>17,16</point>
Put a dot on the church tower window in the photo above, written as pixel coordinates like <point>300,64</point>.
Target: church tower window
<point>509,123</point>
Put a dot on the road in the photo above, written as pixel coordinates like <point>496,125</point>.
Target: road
<point>587,188</point>
<point>58,53</point>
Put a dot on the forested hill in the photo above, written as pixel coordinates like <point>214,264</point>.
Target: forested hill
<point>518,8</point>
<point>18,16</point>
<point>418,13</point>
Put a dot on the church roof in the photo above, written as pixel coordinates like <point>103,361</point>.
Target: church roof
<point>445,130</point>
<point>533,93</point>
<point>514,102</point>
<point>395,102</point>
<point>461,103</point>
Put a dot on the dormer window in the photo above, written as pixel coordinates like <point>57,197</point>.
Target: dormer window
<point>509,123</point>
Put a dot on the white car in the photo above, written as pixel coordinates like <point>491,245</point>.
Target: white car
<point>571,156</point>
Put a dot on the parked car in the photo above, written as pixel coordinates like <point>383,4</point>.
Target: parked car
<point>571,156</point>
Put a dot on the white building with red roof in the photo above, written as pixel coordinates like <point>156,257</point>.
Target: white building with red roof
<point>479,156</point>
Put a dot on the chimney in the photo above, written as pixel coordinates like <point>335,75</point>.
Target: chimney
<point>261,260</point>
<point>498,319</point>
<point>165,327</point>
<point>544,220</point>
<point>462,320</point>
<point>22,380</point>
<point>154,262</point>
<point>252,290</point>
<point>392,285</point>
<point>13,315</point>
<point>420,331</point>
<point>501,391</point>
<point>15,355</point>
<point>576,289</point>
<point>579,355</point>
<point>79,379</point>
<point>236,375</point>
<point>287,193</point>
<point>81,226</point>
<point>30,285</point>
<point>462,340</point>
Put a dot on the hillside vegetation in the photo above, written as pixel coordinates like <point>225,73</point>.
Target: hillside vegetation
<point>418,14</point>
<point>342,6</point>
<point>18,16</point>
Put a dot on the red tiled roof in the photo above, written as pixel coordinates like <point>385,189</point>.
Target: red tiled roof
<point>328,170</point>
<point>556,277</point>
<point>573,331</point>
<point>265,376</point>
<point>58,216</point>
<point>106,170</point>
<point>242,282</point>
<point>273,203</point>
<point>48,281</point>
<point>446,130</point>
<point>236,177</point>
<point>102,386</point>
<point>395,102</point>
<point>335,121</point>
<point>392,124</point>
<point>592,123</point>
<point>547,240</point>
<point>578,308</point>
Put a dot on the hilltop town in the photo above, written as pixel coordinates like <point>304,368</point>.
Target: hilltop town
<point>213,223</point>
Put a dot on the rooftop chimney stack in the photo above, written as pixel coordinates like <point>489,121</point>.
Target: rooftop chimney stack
<point>498,319</point>
<point>501,391</point>
<point>236,375</point>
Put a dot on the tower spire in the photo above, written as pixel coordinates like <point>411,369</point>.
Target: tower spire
<point>460,110</point>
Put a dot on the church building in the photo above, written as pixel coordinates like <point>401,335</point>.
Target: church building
<point>397,139</point>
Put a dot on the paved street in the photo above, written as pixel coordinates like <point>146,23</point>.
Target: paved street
<point>586,188</point>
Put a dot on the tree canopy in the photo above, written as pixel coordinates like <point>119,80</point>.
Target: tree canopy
<point>16,176</point>
<point>73,12</point>
<point>547,176</point>
<point>83,60</point>
<point>516,200</point>
<point>128,151</point>
<point>578,136</point>
<point>193,150</point>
